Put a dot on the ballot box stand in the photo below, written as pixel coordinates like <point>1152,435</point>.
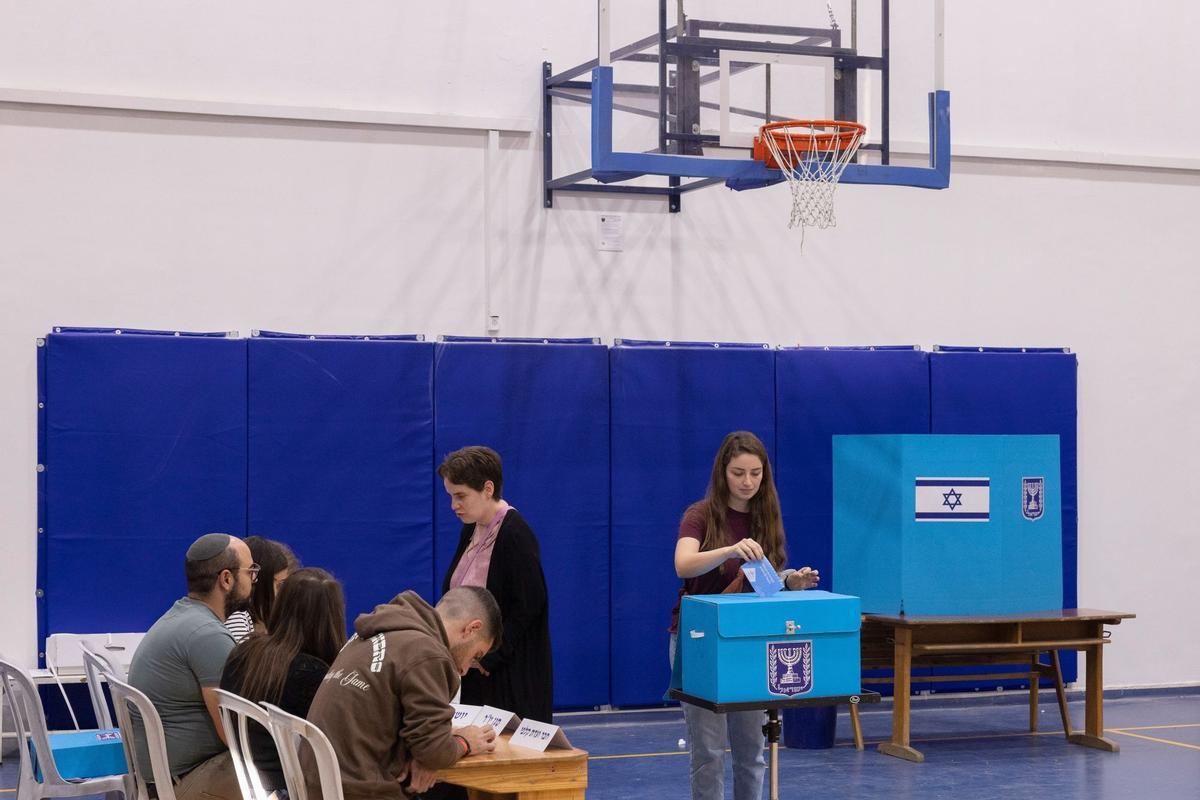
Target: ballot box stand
<point>772,728</point>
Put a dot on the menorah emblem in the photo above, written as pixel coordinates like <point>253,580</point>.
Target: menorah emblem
<point>789,667</point>
<point>790,656</point>
<point>1033,495</point>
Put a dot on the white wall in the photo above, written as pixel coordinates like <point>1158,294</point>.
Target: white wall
<point>158,221</point>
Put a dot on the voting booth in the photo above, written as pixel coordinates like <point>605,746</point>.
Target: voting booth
<point>745,648</point>
<point>939,524</point>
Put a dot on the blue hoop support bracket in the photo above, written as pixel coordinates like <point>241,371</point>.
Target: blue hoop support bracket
<point>609,166</point>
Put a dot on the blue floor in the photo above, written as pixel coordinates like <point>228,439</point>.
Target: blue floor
<point>973,749</point>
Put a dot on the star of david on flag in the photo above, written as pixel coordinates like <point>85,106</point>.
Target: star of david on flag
<point>953,499</point>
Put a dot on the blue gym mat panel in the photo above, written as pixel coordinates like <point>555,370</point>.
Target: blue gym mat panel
<point>143,446</point>
<point>543,405</point>
<point>340,450</point>
<point>671,407</point>
<point>40,576</point>
<point>1017,391</point>
<point>822,392</point>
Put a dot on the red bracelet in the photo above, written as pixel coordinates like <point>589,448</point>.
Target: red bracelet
<point>465,744</point>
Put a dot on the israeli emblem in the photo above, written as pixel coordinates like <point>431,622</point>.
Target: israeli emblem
<point>1033,497</point>
<point>789,667</point>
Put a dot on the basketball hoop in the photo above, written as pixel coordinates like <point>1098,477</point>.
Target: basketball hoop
<point>812,154</point>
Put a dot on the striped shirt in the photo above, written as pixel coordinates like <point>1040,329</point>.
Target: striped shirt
<point>239,625</point>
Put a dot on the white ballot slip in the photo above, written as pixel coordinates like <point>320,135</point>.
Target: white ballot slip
<point>538,736</point>
<point>499,719</point>
<point>762,577</point>
<point>464,715</point>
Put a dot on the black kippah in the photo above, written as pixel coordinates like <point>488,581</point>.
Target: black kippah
<point>210,545</point>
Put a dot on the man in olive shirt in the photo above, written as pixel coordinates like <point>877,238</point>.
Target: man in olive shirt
<point>178,666</point>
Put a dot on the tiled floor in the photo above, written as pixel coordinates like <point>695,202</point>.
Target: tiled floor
<point>973,749</point>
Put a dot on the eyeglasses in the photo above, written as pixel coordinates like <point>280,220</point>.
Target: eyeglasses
<point>253,569</point>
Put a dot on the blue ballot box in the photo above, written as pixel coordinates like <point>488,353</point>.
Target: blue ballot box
<point>933,524</point>
<point>85,754</point>
<point>744,648</point>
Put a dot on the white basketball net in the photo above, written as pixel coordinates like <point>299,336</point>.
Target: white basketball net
<point>812,168</point>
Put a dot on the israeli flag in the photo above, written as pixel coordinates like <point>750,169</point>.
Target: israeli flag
<point>953,499</point>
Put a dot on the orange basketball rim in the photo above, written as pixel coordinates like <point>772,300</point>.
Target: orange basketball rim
<point>805,138</point>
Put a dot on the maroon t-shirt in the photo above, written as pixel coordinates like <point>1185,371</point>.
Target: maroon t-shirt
<point>716,580</point>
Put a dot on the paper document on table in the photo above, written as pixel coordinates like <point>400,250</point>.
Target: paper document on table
<point>464,714</point>
<point>499,719</point>
<point>538,736</point>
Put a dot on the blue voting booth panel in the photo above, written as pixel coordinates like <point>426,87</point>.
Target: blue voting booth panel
<point>341,449</point>
<point>1017,391</point>
<point>544,407</point>
<point>821,392</point>
<point>143,445</point>
<point>671,407</point>
<point>740,648</point>
<point>948,524</point>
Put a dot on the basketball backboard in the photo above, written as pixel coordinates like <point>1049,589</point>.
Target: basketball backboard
<point>678,89</point>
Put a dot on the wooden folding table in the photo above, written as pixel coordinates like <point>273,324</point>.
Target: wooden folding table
<point>904,642</point>
<point>520,773</point>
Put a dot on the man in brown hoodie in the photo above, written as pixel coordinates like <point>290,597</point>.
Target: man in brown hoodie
<point>385,703</point>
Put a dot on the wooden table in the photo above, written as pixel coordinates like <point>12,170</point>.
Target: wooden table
<point>519,773</point>
<point>904,642</point>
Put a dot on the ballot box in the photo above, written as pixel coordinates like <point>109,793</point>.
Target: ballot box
<point>939,524</point>
<point>85,754</point>
<point>745,648</point>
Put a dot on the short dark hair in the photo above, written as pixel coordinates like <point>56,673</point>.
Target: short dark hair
<point>202,575</point>
<point>473,466</point>
<point>474,602</point>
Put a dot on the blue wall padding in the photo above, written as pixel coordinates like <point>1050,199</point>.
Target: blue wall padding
<point>820,393</point>
<point>42,504</point>
<point>671,407</point>
<point>330,443</point>
<point>978,390</point>
<point>544,408</point>
<point>341,447</point>
<point>145,449</point>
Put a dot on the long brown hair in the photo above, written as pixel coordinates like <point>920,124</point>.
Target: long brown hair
<point>272,557</point>
<point>309,616</point>
<point>766,520</point>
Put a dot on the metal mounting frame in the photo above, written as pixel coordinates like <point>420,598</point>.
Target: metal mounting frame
<point>678,155</point>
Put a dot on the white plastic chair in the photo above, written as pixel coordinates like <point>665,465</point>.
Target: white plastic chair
<point>235,715</point>
<point>289,731</point>
<point>124,696</point>
<point>31,728</point>
<point>97,667</point>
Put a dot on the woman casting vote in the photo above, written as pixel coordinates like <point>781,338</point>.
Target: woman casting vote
<point>738,520</point>
<point>498,550</point>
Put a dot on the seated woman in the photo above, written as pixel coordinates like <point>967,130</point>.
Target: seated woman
<point>286,666</point>
<point>276,561</point>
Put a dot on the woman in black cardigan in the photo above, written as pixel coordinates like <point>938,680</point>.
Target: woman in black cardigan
<point>498,550</point>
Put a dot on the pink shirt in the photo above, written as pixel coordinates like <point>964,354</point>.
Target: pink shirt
<point>472,569</point>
